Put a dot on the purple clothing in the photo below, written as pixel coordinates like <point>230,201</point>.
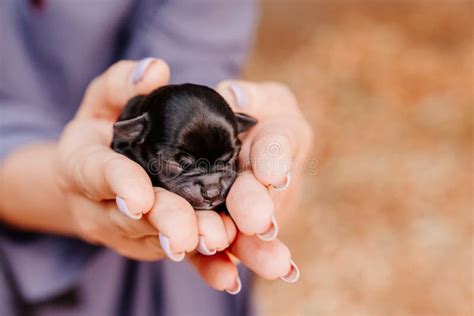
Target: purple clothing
<point>48,55</point>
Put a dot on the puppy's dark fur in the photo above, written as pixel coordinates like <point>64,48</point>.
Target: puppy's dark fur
<point>185,137</point>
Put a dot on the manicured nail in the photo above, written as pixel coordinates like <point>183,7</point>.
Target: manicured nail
<point>122,206</point>
<point>165,245</point>
<point>140,69</point>
<point>271,233</point>
<point>237,287</point>
<point>284,186</point>
<point>239,95</point>
<point>202,248</point>
<point>293,275</point>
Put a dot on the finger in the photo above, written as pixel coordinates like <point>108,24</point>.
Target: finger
<point>251,206</point>
<point>176,222</point>
<point>108,93</point>
<point>218,272</point>
<point>147,248</point>
<point>277,137</point>
<point>261,100</point>
<point>131,228</point>
<point>270,260</point>
<point>95,223</point>
<point>271,154</point>
<point>100,173</point>
<point>106,215</point>
<point>230,228</point>
<point>212,233</point>
<point>246,97</point>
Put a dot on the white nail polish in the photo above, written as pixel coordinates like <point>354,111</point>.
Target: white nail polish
<point>271,233</point>
<point>202,248</point>
<point>293,275</point>
<point>140,69</point>
<point>123,208</point>
<point>165,245</point>
<point>239,95</point>
<point>284,186</point>
<point>237,287</point>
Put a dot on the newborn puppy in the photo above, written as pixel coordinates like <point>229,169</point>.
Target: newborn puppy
<point>185,137</point>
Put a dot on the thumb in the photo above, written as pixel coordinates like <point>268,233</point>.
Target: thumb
<point>102,174</point>
<point>108,93</point>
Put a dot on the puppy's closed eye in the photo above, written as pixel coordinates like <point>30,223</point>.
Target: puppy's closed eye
<point>185,161</point>
<point>169,168</point>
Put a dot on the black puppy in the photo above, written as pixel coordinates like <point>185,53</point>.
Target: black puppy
<point>185,137</point>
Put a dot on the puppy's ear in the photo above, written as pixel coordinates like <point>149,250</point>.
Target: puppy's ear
<point>132,130</point>
<point>244,122</point>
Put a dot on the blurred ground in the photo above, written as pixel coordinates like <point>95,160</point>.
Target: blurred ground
<point>385,227</point>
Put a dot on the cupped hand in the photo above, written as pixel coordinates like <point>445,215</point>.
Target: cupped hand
<point>98,183</point>
<point>271,162</point>
<point>110,196</point>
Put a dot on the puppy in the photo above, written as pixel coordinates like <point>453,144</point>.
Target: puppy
<point>186,138</point>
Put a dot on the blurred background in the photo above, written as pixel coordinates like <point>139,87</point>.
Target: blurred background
<point>385,226</point>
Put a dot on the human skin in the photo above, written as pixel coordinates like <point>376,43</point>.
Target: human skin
<point>71,187</point>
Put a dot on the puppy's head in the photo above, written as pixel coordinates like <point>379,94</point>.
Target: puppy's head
<point>186,138</point>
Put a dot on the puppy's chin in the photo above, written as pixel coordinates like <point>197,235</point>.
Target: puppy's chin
<point>191,187</point>
<point>206,206</point>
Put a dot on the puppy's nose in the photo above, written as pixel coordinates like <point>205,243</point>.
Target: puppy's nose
<point>210,192</point>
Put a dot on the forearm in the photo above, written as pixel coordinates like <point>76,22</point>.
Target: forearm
<point>29,196</point>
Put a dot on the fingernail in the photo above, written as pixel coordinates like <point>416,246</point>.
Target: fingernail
<point>122,206</point>
<point>293,275</point>
<point>237,287</point>
<point>140,69</point>
<point>165,245</point>
<point>238,94</point>
<point>285,185</point>
<point>202,248</point>
<point>271,233</point>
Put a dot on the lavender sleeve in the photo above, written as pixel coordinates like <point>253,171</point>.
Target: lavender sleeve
<point>203,41</point>
<point>35,266</point>
<point>21,124</point>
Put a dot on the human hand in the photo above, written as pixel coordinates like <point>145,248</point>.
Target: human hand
<point>271,155</point>
<point>92,176</point>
